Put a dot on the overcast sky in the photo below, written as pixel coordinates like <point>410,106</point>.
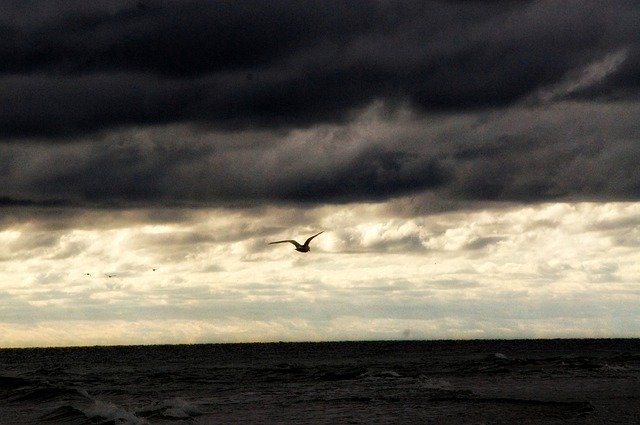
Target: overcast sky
<point>473,165</point>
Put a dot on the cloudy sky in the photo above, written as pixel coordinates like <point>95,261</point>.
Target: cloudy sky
<point>473,165</point>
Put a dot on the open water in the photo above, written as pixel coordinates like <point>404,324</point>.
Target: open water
<point>439,382</point>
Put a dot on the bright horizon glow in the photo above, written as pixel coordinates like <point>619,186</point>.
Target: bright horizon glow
<point>511,271</point>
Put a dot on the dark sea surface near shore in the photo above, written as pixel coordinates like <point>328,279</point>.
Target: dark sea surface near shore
<point>451,382</point>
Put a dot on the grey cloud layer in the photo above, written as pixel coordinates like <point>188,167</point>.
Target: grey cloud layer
<point>568,151</point>
<point>209,103</point>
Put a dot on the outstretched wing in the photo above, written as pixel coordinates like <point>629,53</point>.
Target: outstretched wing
<point>288,240</point>
<point>306,243</point>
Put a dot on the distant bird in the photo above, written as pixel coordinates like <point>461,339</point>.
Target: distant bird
<point>88,274</point>
<point>300,248</point>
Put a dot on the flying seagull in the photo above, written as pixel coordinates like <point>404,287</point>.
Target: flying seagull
<point>301,248</point>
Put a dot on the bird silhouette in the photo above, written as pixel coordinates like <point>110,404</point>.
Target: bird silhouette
<point>301,248</point>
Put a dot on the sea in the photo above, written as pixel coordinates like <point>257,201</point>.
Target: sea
<point>560,381</point>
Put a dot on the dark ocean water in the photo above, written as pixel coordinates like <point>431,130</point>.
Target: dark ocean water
<point>451,382</point>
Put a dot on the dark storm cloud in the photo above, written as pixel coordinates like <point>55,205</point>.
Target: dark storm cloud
<point>243,103</point>
<point>6,201</point>
<point>84,67</point>
<point>131,169</point>
<point>571,151</point>
<point>373,174</point>
<point>557,152</point>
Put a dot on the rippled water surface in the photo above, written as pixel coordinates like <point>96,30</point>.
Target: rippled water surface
<point>529,381</point>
